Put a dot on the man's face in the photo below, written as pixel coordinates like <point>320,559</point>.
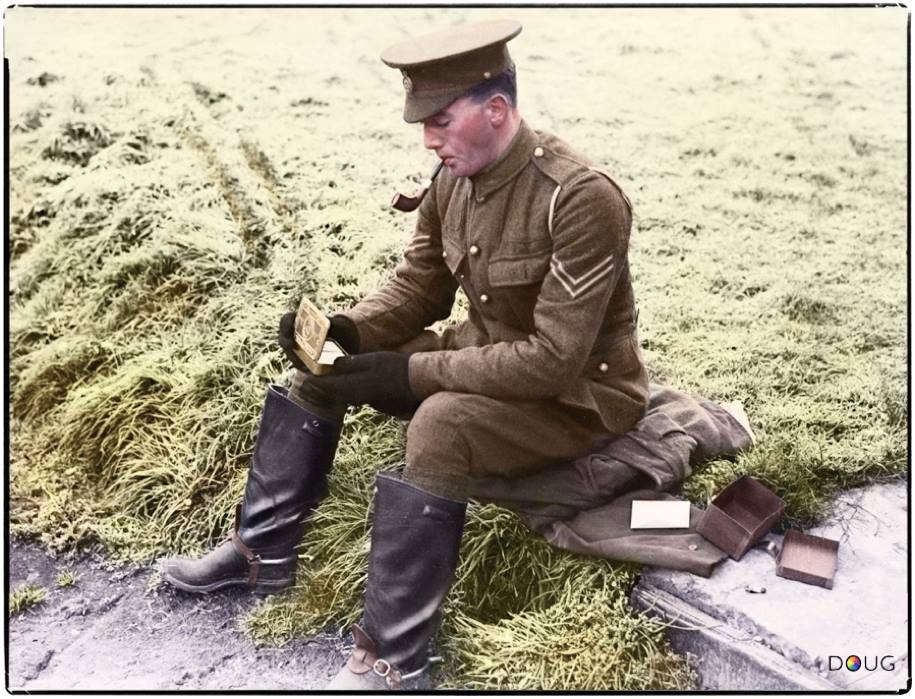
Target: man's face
<point>462,137</point>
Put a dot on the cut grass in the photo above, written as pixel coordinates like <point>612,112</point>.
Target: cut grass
<point>588,639</point>
<point>25,598</point>
<point>67,578</point>
<point>153,252</point>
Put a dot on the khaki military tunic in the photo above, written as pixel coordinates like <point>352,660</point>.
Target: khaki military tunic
<point>547,362</point>
<point>538,242</point>
<point>525,401</point>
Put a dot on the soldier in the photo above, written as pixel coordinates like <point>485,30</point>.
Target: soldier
<point>546,365</point>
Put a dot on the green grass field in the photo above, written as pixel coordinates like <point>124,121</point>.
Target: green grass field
<point>180,178</point>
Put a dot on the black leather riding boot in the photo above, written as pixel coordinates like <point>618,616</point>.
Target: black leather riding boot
<point>416,537</point>
<point>286,479</point>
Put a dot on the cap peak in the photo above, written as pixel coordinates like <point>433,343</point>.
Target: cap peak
<point>450,43</point>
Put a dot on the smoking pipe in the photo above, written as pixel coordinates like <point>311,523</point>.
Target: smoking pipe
<point>402,202</point>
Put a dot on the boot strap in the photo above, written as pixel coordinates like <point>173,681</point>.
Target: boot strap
<point>254,560</point>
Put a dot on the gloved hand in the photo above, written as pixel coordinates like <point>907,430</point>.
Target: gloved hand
<point>286,339</point>
<point>345,333</point>
<point>342,330</point>
<point>378,378</point>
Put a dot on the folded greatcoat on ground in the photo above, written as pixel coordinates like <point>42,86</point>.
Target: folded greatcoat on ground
<point>583,506</point>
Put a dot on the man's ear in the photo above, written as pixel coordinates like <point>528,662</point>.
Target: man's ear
<point>497,109</point>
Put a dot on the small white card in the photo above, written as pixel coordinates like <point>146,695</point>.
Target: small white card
<point>660,514</point>
<point>330,352</point>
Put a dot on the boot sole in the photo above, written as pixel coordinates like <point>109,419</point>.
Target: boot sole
<point>260,587</point>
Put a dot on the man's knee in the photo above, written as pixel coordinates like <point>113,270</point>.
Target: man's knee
<point>437,423</point>
<point>438,453</point>
<point>441,410</point>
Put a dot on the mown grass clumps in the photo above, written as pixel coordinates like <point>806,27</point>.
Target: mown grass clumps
<point>165,278</point>
<point>154,248</point>
<point>43,378</point>
<point>140,356</point>
<point>589,639</point>
<point>164,443</point>
<point>67,578</point>
<point>77,142</point>
<point>525,615</point>
<point>25,598</point>
<point>807,309</point>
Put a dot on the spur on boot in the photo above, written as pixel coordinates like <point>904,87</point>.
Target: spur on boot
<point>416,538</point>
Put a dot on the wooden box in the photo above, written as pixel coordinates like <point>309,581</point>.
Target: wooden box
<point>808,559</point>
<point>312,345</point>
<point>741,514</point>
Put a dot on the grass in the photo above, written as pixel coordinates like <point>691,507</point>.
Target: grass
<point>588,639</point>
<point>67,578</point>
<point>153,249</point>
<point>25,598</point>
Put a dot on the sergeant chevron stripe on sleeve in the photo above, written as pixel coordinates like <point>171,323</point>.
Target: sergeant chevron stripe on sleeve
<point>577,286</point>
<point>418,242</point>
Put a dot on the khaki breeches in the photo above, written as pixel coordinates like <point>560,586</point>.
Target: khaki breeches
<point>454,439</point>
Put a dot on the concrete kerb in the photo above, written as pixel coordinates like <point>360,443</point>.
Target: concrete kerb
<point>796,636</point>
<point>724,657</point>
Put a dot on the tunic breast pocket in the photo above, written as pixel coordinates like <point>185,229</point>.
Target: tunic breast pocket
<point>516,282</point>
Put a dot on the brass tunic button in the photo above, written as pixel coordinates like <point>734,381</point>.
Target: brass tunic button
<point>487,75</point>
<point>538,152</point>
<point>603,367</point>
<point>474,250</point>
<point>484,298</point>
<point>444,253</point>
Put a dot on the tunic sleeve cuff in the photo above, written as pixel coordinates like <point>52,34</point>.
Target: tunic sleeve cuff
<point>423,382</point>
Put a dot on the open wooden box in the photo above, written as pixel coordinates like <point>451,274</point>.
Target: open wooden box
<point>808,559</point>
<point>741,514</point>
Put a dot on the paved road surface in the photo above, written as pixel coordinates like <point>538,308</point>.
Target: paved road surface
<point>113,630</point>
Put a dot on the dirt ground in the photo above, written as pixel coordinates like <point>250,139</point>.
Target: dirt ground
<point>117,629</point>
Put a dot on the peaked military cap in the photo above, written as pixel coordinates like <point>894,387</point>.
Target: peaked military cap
<point>440,67</point>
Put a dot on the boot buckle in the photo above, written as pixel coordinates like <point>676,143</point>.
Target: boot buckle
<point>384,664</point>
<point>383,668</point>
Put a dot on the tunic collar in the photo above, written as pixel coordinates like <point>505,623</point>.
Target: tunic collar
<point>506,166</point>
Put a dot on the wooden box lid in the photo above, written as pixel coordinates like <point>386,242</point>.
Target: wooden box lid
<point>808,559</point>
<point>311,343</point>
<point>741,514</point>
